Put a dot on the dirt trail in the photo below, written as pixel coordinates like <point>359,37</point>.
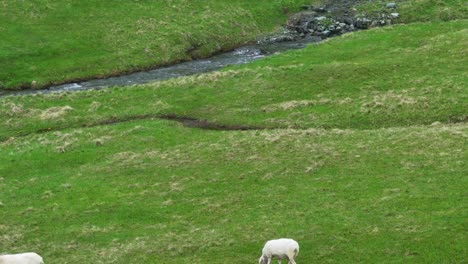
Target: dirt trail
<point>185,121</point>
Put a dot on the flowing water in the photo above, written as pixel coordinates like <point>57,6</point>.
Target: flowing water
<point>238,56</point>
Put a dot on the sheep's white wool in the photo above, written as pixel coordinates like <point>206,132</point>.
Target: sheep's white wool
<point>283,248</point>
<point>23,258</point>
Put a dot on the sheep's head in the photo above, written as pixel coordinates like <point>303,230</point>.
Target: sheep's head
<point>263,260</point>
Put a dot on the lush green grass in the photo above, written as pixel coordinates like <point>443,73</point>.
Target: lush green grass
<point>365,80</point>
<point>418,10</point>
<point>155,192</point>
<point>369,165</point>
<point>49,41</point>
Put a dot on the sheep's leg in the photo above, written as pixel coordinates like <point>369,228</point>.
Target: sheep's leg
<point>279,261</point>
<point>291,261</point>
<point>269,260</point>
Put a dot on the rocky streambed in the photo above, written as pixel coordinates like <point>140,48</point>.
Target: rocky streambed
<point>312,24</point>
<point>333,19</point>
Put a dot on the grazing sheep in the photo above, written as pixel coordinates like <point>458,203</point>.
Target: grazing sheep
<point>283,248</point>
<point>23,258</point>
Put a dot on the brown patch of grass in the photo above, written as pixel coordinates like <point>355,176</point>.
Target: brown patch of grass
<point>55,112</point>
<point>101,140</point>
<point>94,106</point>
<point>9,235</point>
<point>391,100</point>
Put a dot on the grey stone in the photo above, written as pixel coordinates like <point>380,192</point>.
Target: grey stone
<point>391,5</point>
<point>326,33</point>
<point>286,38</point>
<point>348,21</point>
<point>320,9</point>
<point>362,23</point>
<point>395,15</point>
<point>317,33</point>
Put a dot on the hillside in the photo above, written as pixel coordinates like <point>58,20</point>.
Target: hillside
<point>363,80</point>
<point>355,147</point>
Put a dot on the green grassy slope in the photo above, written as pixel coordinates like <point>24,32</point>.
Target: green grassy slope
<point>155,192</point>
<point>55,41</point>
<point>398,76</point>
<point>369,163</point>
<point>379,184</point>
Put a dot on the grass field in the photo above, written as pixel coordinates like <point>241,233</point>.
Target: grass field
<point>360,155</point>
<point>155,192</point>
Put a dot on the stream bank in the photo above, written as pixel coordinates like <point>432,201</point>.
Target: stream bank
<point>313,24</point>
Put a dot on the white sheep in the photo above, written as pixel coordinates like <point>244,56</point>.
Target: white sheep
<point>23,258</point>
<point>283,248</point>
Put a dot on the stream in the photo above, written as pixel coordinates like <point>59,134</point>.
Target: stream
<point>240,55</point>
